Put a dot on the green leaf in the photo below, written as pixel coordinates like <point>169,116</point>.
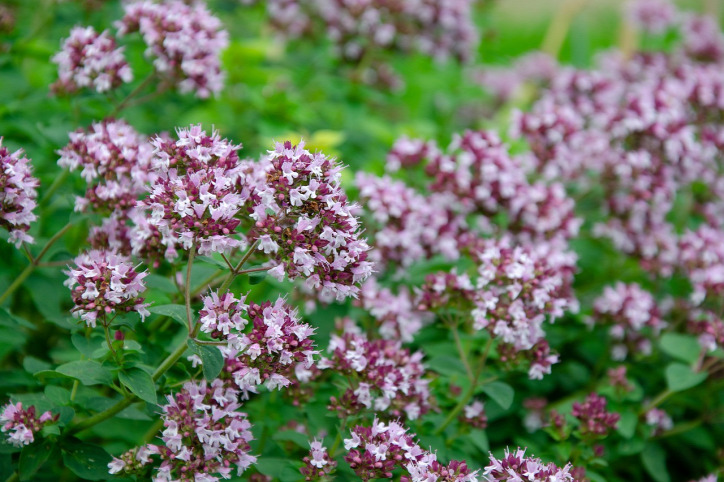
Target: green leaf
<point>33,457</point>
<point>12,321</point>
<point>89,372</point>
<point>87,346</point>
<point>501,393</point>
<point>446,365</point>
<point>681,377</point>
<point>211,359</point>
<point>160,283</point>
<point>682,347</point>
<point>213,261</point>
<point>140,384</point>
<point>256,278</point>
<point>627,424</point>
<point>292,436</point>
<point>177,312</point>
<point>480,440</point>
<point>277,468</point>
<point>85,460</point>
<point>57,395</point>
<point>35,365</point>
<point>654,460</point>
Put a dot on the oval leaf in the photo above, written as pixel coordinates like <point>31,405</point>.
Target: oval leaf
<point>681,377</point>
<point>86,461</point>
<point>140,384</point>
<point>501,393</point>
<point>89,372</point>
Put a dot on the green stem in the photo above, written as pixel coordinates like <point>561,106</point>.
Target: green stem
<point>471,391</point>
<point>31,267</point>
<point>125,402</point>
<point>461,351</point>
<point>656,401</point>
<point>13,477</point>
<point>57,182</point>
<point>230,278</point>
<point>187,288</point>
<point>133,94</point>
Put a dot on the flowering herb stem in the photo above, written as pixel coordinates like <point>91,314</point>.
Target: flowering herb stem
<point>471,391</point>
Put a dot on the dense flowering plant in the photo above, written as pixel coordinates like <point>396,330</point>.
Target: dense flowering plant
<point>519,283</point>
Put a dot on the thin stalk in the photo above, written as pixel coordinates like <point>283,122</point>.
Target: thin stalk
<point>31,267</point>
<point>471,391</point>
<point>110,343</point>
<point>461,351</point>
<point>129,399</point>
<point>187,288</point>
<point>230,278</point>
<point>252,270</point>
<point>656,401</point>
<point>133,94</point>
<point>57,182</point>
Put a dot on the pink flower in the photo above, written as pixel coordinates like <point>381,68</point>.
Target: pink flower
<point>305,223</point>
<point>92,60</point>
<point>185,42</point>
<point>114,160</point>
<point>17,195</point>
<point>515,466</point>
<point>22,425</point>
<point>104,283</point>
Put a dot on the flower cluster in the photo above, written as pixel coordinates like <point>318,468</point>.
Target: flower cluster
<point>195,197</point>
<point>277,351</point>
<point>364,32</point>
<point>18,191</point>
<point>633,315</point>
<point>376,451</point>
<point>515,466</point>
<point>595,420</point>
<point>88,59</point>
<point>396,314</point>
<point>114,160</point>
<point>505,83</point>
<point>104,283</point>
<point>701,257</point>
<point>659,421</point>
<point>22,424</point>
<point>184,40</point>
<point>515,290</point>
<point>485,179</point>
<point>409,226</point>
<point>388,378</point>
<point>304,222</point>
<point>474,415</point>
<point>204,433</point>
<point>654,16</point>
<point>644,127</point>
<point>317,464</point>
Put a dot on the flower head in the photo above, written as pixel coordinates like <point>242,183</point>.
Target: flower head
<point>185,42</point>
<point>17,195</point>
<point>304,222</point>
<point>22,424</point>
<point>104,283</point>
<point>92,60</point>
<point>195,198</point>
<point>114,160</point>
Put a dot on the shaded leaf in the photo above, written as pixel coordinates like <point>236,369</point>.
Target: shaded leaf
<point>89,372</point>
<point>139,383</point>
<point>501,393</point>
